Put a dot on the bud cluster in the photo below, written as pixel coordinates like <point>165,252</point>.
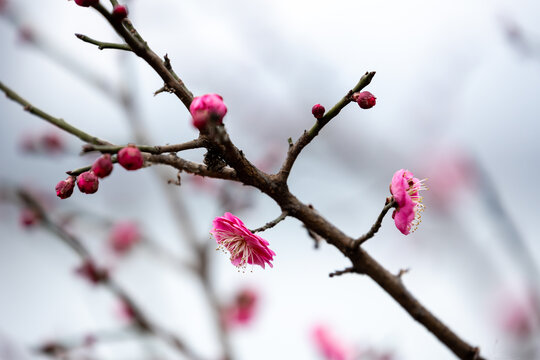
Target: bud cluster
<point>129,157</point>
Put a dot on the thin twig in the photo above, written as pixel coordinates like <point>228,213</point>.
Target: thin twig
<point>49,118</point>
<point>103,45</point>
<point>307,136</point>
<point>375,227</point>
<point>272,223</point>
<point>193,144</point>
<point>341,272</point>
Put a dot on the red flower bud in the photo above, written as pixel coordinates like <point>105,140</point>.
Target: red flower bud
<point>64,188</point>
<point>103,166</point>
<point>365,99</point>
<point>318,111</point>
<point>120,12</point>
<point>88,182</point>
<point>130,158</point>
<point>86,3</point>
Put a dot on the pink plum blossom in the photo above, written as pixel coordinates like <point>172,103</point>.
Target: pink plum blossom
<point>245,247</point>
<point>405,189</point>
<point>209,107</point>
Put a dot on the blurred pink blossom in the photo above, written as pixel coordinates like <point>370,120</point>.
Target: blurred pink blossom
<point>123,236</point>
<point>245,247</point>
<point>242,310</point>
<point>329,346</point>
<point>518,313</point>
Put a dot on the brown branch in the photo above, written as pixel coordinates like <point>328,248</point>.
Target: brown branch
<point>137,44</point>
<point>307,136</point>
<point>192,167</point>
<point>342,272</point>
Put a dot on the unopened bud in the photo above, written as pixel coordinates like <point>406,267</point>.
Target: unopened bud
<point>88,182</point>
<point>318,111</point>
<point>365,99</point>
<point>130,158</point>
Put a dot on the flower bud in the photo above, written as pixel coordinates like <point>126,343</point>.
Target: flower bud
<point>130,158</point>
<point>103,166</point>
<point>209,107</point>
<point>365,99</point>
<point>64,188</point>
<point>87,182</point>
<point>120,12</point>
<point>318,111</point>
<point>86,3</point>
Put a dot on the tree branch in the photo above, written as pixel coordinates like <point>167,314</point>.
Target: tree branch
<point>272,223</point>
<point>141,320</point>
<point>103,45</point>
<point>193,144</point>
<point>51,119</point>
<point>307,136</point>
<point>389,204</point>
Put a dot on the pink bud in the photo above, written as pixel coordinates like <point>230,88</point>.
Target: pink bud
<point>86,3</point>
<point>120,12</point>
<point>64,188</point>
<point>88,182</point>
<point>103,166</point>
<point>365,99</point>
<point>130,158</point>
<point>209,107</point>
<point>123,236</point>
<point>29,218</point>
<point>318,111</point>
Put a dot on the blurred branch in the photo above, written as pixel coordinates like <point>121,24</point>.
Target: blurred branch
<point>50,119</point>
<point>141,320</point>
<point>307,136</point>
<point>103,45</point>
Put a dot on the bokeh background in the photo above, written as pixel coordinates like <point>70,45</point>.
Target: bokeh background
<point>457,90</point>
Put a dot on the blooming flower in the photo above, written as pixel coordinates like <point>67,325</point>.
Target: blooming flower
<point>245,247</point>
<point>207,107</point>
<point>405,188</point>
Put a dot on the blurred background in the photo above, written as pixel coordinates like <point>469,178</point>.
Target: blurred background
<point>457,90</point>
